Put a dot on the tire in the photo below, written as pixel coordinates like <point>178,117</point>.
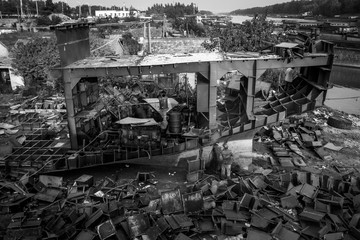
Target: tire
<point>340,123</point>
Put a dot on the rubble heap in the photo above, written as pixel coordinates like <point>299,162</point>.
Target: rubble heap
<point>275,203</point>
<point>282,196</point>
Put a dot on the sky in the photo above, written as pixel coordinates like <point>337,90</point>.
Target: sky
<point>215,6</point>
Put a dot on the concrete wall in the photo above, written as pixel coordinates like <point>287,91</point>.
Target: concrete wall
<point>176,45</point>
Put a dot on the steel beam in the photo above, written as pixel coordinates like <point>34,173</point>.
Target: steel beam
<point>202,68</point>
<point>68,82</point>
<point>250,68</point>
<point>244,66</point>
<point>214,73</point>
<point>250,93</point>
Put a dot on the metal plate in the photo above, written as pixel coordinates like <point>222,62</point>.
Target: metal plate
<point>193,202</point>
<point>171,202</point>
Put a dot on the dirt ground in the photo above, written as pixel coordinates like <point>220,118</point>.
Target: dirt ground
<point>163,177</point>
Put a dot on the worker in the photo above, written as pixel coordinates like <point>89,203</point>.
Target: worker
<point>217,158</point>
<point>290,75</point>
<point>228,159</point>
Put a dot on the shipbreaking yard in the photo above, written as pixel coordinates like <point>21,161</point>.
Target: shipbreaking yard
<point>302,184</point>
<point>100,163</point>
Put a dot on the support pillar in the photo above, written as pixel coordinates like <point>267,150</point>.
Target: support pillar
<point>251,92</point>
<point>213,95</point>
<point>70,109</point>
<point>149,37</point>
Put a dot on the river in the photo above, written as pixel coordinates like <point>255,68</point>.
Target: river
<point>345,95</point>
<point>344,99</point>
<point>241,19</point>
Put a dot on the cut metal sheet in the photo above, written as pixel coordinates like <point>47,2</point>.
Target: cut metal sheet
<point>51,181</point>
<point>311,215</point>
<point>331,146</point>
<point>138,224</point>
<point>151,233</point>
<point>289,202</point>
<point>171,202</point>
<point>48,194</point>
<point>106,230</point>
<point>258,235</point>
<point>308,191</point>
<point>283,233</point>
<point>182,236</point>
<point>193,202</point>
<point>232,211</point>
<point>206,225</point>
<point>183,220</point>
<point>85,235</point>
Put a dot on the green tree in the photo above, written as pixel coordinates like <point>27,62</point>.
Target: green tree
<point>46,21</point>
<point>9,7</point>
<point>253,35</point>
<point>99,46</point>
<point>130,43</point>
<point>172,11</point>
<point>34,60</point>
<point>49,7</point>
<point>190,25</point>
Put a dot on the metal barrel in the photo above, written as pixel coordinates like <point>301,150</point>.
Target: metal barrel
<point>175,122</point>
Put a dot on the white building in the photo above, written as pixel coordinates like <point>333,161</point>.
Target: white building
<point>112,13</point>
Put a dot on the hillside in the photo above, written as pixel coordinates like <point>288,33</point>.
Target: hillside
<point>327,8</point>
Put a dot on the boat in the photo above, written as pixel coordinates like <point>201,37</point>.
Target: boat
<point>221,108</point>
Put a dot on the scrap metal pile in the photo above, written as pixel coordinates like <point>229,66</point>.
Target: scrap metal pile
<point>278,203</point>
<point>282,198</point>
<point>22,116</point>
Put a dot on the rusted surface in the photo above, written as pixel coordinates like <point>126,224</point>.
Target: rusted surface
<point>171,202</point>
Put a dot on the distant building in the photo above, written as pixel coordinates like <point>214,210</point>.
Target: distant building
<point>308,24</point>
<point>339,24</point>
<point>198,18</point>
<point>112,13</point>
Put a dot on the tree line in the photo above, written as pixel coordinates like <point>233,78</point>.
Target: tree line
<point>44,8</point>
<point>173,11</point>
<point>327,8</point>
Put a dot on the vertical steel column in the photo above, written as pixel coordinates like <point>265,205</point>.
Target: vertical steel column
<point>70,109</point>
<point>251,92</point>
<point>213,95</point>
<point>149,37</point>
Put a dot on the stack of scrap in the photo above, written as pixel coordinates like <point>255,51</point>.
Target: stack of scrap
<point>292,138</point>
<point>282,204</point>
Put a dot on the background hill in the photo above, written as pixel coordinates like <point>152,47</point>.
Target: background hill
<point>327,8</point>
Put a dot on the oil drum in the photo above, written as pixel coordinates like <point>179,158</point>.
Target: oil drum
<point>175,122</point>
